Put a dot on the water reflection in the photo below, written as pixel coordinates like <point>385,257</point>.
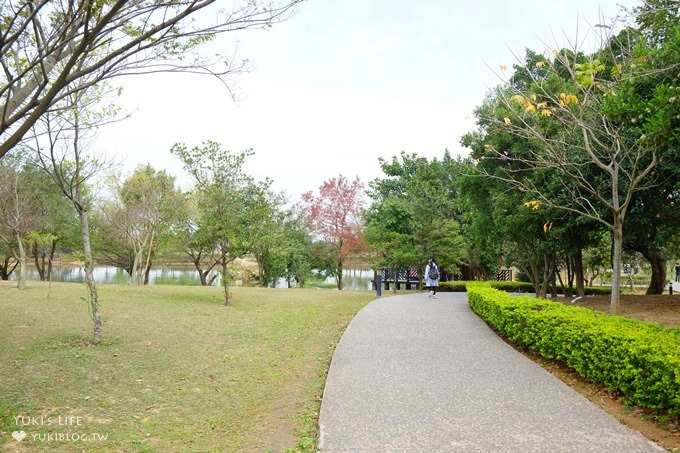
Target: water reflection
<point>353,279</point>
<point>115,275</point>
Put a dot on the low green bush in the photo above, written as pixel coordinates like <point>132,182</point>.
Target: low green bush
<point>639,361</point>
<point>461,286</point>
<point>598,290</point>
<point>514,286</point>
<point>525,287</point>
<point>454,286</point>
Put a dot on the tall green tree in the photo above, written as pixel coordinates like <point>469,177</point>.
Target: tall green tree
<point>20,210</point>
<point>415,212</point>
<point>195,242</point>
<point>295,249</point>
<point>504,220</point>
<point>264,218</point>
<point>37,207</point>
<point>575,157</point>
<point>222,191</point>
<point>286,254</point>
<point>389,227</point>
<point>647,106</point>
<point>146,207</point>
<point>58,225</point>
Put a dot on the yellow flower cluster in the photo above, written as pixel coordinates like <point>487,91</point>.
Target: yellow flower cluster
<point>531,106</point>
<point>566,99</point>
<point>533,205</point>
<point>548,226</point>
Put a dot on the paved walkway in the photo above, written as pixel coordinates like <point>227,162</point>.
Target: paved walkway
<point>413,374</point>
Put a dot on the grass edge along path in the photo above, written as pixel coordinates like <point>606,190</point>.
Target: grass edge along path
<point>177,371</point>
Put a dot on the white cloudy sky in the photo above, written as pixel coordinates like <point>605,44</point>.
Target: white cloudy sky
<point>343,83</point>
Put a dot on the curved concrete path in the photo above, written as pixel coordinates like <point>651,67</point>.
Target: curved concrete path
<point>413,374</point>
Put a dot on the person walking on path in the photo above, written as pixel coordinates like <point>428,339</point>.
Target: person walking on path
<point>677,272</point>
<point>432,277</point>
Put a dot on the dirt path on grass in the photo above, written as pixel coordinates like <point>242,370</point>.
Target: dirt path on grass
<point>663,309</point>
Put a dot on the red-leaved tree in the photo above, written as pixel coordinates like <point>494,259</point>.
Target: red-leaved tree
<point>334,217</point>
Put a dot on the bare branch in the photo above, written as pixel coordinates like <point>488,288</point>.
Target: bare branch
<point>60,48</point>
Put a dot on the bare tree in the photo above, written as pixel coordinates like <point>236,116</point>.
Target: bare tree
<point>558,104</point>
<point>50,50</point>
<point>61,153</point>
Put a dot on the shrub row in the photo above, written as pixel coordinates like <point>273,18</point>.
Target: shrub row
<point>461,286</point>
<point>637,360</point>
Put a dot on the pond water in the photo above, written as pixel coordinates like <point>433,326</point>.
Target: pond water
<point>353,279</point>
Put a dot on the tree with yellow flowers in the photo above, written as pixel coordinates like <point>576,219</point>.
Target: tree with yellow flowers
<point>548,132</point>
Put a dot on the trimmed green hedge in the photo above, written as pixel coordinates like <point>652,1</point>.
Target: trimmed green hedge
<point>638,360</point>
<point>458,286</point>
<point>461,286</point>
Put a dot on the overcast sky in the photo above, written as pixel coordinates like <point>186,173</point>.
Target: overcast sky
<point>345,82</point>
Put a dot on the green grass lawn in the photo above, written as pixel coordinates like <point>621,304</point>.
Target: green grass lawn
<point>177,371</point>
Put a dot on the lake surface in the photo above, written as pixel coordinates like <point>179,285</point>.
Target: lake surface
<point>353,279</point>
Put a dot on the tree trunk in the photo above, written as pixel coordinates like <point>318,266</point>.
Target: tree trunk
<point>658,263</point>
<point>566,289</point>
<point>196,259</point>
<point>147,272</point>
<point>579,277</point>
<point>149,256</point>
<point>548,274</point>
<point>21,280</point>
<point>553,276</point>
<point>50,260</point>
<point>340,269</point>
<point>95,313</point>
<point>137,273</point>
<point>616,264</point>
<point>225,277</point>
<point>571,271</point>
<point>225,284</point>
<point>533,274</point>
<point>38,260</point>
<point>203,273</point>
<point>7,267</point>
<point>259,257</point>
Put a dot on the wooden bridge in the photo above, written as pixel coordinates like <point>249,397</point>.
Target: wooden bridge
<point>387,276</point>
<point>409,277</point>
